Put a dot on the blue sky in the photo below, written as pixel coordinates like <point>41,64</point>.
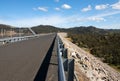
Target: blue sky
<point>61,13</point>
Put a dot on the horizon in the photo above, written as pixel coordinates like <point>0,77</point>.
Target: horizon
<point>61,27</point>
<point>61,13</point>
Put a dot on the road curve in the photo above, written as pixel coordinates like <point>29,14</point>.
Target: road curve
<point>21,61</point>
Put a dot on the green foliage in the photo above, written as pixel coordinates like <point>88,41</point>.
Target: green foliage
<point>105,45</point>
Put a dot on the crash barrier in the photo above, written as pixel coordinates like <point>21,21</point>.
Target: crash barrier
<point>16,39</point>
<point>65,65</point>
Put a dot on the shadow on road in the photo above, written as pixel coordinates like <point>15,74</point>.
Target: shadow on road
<point>42,72</point>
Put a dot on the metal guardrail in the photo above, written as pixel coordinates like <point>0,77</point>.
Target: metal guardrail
<point>15,39</point>
<point>61,72</point>
<point>65,65</point>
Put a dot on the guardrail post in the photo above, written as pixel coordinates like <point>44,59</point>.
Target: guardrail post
<point>65,64</point>
<point>65,53</point>
<point>68,64</point>
<point>71,70</point>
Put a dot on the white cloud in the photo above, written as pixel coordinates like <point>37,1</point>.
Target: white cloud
<point>87,19</point>
<point>66,6</point>
<point>45,9</point>
<point>46,20</point>
<point>116,5</point>
<point>57,20</point>
<point>101,7</point>
<point>58,9</point>
<point>97,19</point>
<point>87,8</point>
<point>100,17</point>
<point>108,14</point>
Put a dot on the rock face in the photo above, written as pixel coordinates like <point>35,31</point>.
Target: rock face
<point>87,67</point>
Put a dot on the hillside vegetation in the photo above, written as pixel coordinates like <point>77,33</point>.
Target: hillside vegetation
<point>45,29</point>
<point>104,44</point>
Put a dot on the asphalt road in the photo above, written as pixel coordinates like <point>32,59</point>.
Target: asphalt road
<point>22,61</point>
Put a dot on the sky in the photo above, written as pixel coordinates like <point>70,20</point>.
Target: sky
<point>61,13</point>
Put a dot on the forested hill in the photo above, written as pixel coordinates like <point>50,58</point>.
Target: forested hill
<point>5,26</point>
<point>78,30</point>
<point>45,29</point>
<point>91,30</point>
<point>102,43</point>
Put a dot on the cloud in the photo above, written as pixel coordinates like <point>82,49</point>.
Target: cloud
<point>97,19</point>
<point>45,9</point>
<point>66,6</point>
<point>87,19</point>
<point>57,20</point>
<point>87,8</point>
<point>101,7</point>
<point>46,20</point>
<point>57,9</point>
<point>116,5</point>
<point>108,14</point>
<point>101,17</point>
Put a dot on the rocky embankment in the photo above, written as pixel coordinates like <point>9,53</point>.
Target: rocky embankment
<point>88,67</point>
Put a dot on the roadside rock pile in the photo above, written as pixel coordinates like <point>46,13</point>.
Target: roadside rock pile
<point>88,67</point>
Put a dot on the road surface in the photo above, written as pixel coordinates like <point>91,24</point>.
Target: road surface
<point>29,60</point>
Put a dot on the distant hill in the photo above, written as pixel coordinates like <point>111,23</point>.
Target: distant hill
<point>89,29</point>
<point>50,29</point>
<point>7,28</point>
<point>45,29</point>
<point>81,29</point>
<point>3,26</point>
<point>92,29</point>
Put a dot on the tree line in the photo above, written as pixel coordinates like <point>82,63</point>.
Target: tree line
<point>104,46</point>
